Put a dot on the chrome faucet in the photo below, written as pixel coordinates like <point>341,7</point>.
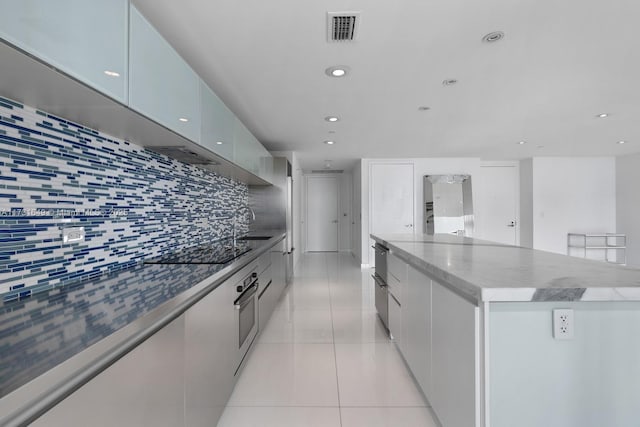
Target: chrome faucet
<point>235,215</point>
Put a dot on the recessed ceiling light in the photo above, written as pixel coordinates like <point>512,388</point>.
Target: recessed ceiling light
<point>622,142</point>
<point>423,108</point>
<point>331,118</point>
<point>602,115</point>
<point>329,142</point>
<point>522,142</point>
<point>112,73</point>
<point>219,142</point>
<point>493,37</point>
<point>337,71</point>
<point>182,119</point>
<point>449,82</point>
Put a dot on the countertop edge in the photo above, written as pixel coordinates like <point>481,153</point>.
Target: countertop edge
<point>462,288</point>
<point>477,294</point>
<point>30,401</point>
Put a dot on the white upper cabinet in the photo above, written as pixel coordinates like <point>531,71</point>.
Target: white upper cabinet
<point>246,154</point>
<point>110,46</point>
<point>216,124</point>
<point>266,162</point>
<point>250,154</point>
<point>86,39</point>
<point>162,85</point>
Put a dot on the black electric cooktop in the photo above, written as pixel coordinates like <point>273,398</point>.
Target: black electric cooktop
<point>216,253</point>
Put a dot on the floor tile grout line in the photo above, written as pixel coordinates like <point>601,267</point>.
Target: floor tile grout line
<point>335,355</point>
<point>332,276</point>
<point>283,406</point>
<point>325,406</point>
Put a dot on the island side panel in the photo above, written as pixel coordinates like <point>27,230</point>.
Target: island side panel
<point>455,364</point>
<point>592,380</point>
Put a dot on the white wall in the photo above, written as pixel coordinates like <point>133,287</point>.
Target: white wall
<point>345,213</point>
<point>572,195</point>
<point>526,203</point>
<point>356,222</point>
<point>558,195</point>
<point>298,197</point>
<point>628,205</point>
<point>422,166</point>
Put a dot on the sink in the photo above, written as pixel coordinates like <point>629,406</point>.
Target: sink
<point>255,238</point>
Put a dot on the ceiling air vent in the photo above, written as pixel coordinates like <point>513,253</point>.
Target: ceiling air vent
<point>343,26</point>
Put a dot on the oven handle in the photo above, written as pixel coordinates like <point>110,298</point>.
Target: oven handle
<point>246,296</point>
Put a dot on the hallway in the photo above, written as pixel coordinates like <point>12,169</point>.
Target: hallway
<point>324,359</point>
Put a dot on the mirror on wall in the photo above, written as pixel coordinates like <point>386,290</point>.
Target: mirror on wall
<point>448,207</point>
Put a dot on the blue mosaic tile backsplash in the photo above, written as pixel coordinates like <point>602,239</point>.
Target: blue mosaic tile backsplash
<point>132,203</point>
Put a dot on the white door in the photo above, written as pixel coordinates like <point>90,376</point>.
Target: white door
<point>391,199</point>
<point>322,213</point>
<point>500,207</point>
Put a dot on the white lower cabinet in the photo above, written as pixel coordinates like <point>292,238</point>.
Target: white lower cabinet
<point>395,320</point>
<point>269,289</point>
<point>416,327</point>
<point>143,388</point>
<point>210,345</point>
<point>454,341</point>
<point>436,332</point>
<point>270,295</point>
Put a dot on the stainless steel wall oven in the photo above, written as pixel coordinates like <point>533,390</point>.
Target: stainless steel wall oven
<point>246,308</point>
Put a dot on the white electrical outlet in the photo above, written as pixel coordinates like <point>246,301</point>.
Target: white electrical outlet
<point>72,234</point>
<point>563,324</point>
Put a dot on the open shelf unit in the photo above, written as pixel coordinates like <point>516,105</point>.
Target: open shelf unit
<point>609,247</point>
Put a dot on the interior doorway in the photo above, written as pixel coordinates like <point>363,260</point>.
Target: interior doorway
<point>322,214</point>
<point>501,187</point>
<point>391,205</point>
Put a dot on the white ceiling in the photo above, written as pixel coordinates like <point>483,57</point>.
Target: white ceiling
<point>560,64</point>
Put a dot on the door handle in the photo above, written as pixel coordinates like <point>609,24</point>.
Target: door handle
<point>409,225</point>
<point>511,224</point>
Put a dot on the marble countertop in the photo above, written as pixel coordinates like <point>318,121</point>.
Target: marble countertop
<point>76,326</point>
<point>480,270</point>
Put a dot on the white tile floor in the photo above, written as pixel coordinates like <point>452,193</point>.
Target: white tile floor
<point>325,360</point>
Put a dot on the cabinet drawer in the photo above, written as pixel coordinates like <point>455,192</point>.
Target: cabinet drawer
<point>394,287</point>
<point>266,303</point>
<point>395,320</point>
<point>397,267</point>
<point>264,262</point>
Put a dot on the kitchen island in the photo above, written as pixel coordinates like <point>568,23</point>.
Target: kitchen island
<point>475,326</point>
<point>134,344</point>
